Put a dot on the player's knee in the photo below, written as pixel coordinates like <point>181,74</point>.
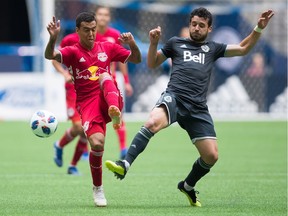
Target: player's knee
<point>212,157</point>
<point>96,143</point>
<point>153,125</point>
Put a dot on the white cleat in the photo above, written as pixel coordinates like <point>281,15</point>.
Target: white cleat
<point>99,197</point>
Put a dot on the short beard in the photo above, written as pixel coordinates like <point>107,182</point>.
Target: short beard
<point>198,39</point>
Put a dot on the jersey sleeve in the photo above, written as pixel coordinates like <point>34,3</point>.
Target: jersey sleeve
<point>66,55</point>
<point>167,49</point>
<point>119,53</point>
<point>220,49</point>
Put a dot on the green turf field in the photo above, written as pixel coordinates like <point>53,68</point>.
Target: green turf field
<point>250,177</point>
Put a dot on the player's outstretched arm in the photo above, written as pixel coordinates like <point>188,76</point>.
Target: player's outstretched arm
<point>249,42</point>
<point>154,58</point>
<point>127,38</point>
<point>53,28</point>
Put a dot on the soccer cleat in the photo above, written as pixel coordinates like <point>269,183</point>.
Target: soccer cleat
<point>123,153</point>
<point>118,168</point>
<point>72,170</point>
<point>85,156</point>
<point>99,197</point>
<point>115,116</point>
<point>191,195</point>
<point>58,155</point>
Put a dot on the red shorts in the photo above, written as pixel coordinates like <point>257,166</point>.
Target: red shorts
<point>72,112</point>
<point>94,113</point>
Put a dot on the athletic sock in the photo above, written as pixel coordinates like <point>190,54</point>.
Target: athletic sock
<point>80,148</point>
<point>121,133</point>
<point>95,159</point>
<point>110,91</point>
<point>138,144</point>
<point>66,138</point>
<point>199,169</point>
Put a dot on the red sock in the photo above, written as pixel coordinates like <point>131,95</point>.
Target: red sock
<point>80,148</point>
<point>110,92</point>
<point>66,138</point>
<point>122,136</point>
<point>95,159</point>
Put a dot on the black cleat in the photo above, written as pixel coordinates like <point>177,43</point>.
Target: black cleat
<point>118,168</point>
<point>191,195</point>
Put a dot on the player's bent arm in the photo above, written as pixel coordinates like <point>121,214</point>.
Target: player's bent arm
<point>50,52</point>
<point>154,57</point>
<point>244,47</point>
<point>135,56</point>
<point>249,42</point>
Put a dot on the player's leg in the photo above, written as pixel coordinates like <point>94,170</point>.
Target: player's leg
<point>111,95</point>
<point>122,134</point>
<point>72,132</point>
<point>80,148</point>
<point>163,114</point>
<point>201,131</point>
<point>208,156</point>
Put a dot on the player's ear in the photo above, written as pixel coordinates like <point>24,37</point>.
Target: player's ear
<point>210,29</point>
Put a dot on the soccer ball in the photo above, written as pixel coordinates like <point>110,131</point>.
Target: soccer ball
<point>43,123</point>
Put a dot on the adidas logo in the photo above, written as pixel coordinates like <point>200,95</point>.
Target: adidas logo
<point>82,60</point>
<point>183,46</point>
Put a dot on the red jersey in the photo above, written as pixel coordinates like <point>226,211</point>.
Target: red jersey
<point>69,40</point>
<point>110,35</point>
<point>86,65</point>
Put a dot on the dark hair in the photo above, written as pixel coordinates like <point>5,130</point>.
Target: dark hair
<point>203,13</point>
<point>85,17</point>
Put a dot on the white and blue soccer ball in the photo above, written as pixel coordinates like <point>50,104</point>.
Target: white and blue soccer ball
<point>43,123</point>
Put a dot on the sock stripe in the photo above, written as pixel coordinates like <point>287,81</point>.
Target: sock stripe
<point>203,164</point>
<point>146,133</point>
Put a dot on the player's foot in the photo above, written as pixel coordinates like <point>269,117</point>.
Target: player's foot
<point>85,156</point>
<point>72,170</point>
<point>115,116</point>
<point>123,153</point>
<point>99,197</point>
<point>58,155</point>
<point>191,195</point>
<point>118,168</point>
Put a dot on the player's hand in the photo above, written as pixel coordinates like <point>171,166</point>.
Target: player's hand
<point>68,78</point>
<point>126,38</point>
<point>155,35</point>
<point>54,27</point>
<point>128,89</point>
<point>264,18</point>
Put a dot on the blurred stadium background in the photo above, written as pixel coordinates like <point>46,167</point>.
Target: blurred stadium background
<point>244,87</point>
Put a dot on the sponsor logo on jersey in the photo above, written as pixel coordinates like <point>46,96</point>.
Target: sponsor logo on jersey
<point>199,58</point>
<point>92,73</point>
<point>102,56</point>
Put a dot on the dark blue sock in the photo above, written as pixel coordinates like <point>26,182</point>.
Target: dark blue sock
<point>138,144</point>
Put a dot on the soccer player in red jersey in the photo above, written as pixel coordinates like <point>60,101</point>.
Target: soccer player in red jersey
<point>104,33</point>
<point>98,99</point>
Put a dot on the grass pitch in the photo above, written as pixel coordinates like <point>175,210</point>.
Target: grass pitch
<point>250,177</point>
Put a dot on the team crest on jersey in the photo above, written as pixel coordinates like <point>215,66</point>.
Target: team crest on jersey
<point>102,56</point>
<point>168,99</point>
<point>205,48</point>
